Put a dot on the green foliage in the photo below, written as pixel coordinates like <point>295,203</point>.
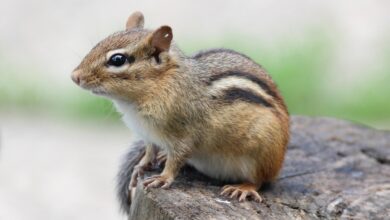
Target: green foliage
<point>371,101</point>
<point>84,105</point>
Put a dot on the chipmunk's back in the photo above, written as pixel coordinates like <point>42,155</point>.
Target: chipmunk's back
<point>222,60</point>
<point>227,68</point>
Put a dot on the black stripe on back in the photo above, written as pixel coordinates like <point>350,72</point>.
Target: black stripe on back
<point>245,75</point>
<point>234,94</point>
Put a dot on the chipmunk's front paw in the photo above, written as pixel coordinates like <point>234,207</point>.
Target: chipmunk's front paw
<point>156,181</point>
<point>138,171</point>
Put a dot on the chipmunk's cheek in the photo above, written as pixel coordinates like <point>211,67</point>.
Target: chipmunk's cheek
<point>109,87</point>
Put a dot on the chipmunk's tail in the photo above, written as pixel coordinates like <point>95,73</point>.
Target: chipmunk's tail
<point>131,158</point>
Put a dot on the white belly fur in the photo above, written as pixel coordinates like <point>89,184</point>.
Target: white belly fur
<point>237,168</point>
<point>138,125</point>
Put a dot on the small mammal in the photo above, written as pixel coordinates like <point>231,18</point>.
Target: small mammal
<point>217,110</point>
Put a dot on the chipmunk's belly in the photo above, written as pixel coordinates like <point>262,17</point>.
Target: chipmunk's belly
<point>233,168</point>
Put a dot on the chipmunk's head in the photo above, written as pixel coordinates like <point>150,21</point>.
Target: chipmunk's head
<point>127,63</point>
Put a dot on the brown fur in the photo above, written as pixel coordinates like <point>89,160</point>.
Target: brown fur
<point>135,20</point>
<point>170,96</point>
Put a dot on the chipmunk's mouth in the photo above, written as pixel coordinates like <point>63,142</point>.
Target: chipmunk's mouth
<point>98,91</point>
<point>91,85</point>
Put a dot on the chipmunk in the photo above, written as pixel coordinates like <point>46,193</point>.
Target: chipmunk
<point>218,110</point>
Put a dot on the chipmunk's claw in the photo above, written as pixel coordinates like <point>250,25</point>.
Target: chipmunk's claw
<point>139,170</point>
<point>242,191</point>
<point>158,181</point>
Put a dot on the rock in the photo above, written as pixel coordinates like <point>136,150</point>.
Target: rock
<point>333,170</point>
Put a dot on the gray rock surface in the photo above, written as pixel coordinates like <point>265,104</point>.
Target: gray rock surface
<point>333,170</point>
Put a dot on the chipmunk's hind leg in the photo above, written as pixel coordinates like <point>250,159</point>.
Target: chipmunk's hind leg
<point>242,191</point>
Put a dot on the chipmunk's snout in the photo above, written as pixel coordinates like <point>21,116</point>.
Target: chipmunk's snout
<point>76,76</point>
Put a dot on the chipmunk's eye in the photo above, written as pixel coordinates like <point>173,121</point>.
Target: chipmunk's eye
<point>117,60</point>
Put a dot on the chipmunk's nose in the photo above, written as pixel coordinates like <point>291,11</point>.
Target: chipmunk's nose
<point>76,76</point>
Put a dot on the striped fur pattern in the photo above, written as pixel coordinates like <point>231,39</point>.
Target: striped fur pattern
<point>217,110</point>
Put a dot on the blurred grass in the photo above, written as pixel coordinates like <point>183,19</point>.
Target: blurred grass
<point>297,65</point>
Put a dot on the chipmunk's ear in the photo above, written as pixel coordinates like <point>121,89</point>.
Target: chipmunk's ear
<point>135,20</point>
<point>161,39</point>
